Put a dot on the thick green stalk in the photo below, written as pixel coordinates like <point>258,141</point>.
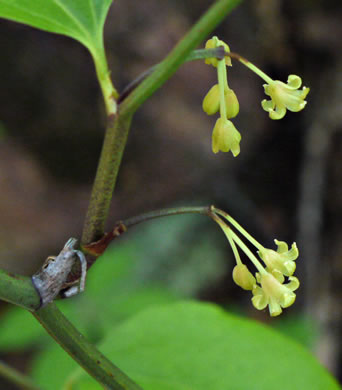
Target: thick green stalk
<point>19,290</point>
<point>119,124</point>
<point>81,350</point>
<point>107,171</point>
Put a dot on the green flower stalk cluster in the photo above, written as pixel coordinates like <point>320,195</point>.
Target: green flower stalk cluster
<point>268,286</point>
<point>221,98</point>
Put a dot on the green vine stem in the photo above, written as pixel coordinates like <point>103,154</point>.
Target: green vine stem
<point>119,124</point>
<point>19,290</point>
<point>81,350</point>
<point>16,377</point>
<point>107,171</point>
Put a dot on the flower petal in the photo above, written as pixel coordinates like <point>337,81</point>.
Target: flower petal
<point>278,275</point>
<point>259,301</point>
<point>282,246</point>
<point>287,299</point>
<point>290,267</point>
<point>294,101</point>
<point>291,254</point>
<point>294,81</point>
<point>279,112</point>
<point>267,105</point>
<point>274,307</point>
<point>293,283</point>
<point>267,89</point>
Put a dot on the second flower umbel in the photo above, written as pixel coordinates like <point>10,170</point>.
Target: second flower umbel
<point>268,286</point>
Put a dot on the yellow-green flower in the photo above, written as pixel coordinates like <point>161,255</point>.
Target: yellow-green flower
<point>284,96</point>
<point>213,43</point>
<point>282,260</point>
<point>232,103</point>
<point>211,101</point>
<point>243,277</point>
<point>273,292</point>
<point>225,137</point>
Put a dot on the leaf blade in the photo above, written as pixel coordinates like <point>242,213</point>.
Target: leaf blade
<point>82,20</point>
<point>190,345</point>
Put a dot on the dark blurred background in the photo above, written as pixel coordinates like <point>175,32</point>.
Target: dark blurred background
<point>285,184</point>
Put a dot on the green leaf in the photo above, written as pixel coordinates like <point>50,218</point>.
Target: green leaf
<point>51,367</point>
<point>196,346</point>
<point>82,20</point>
<point>14,336</point>
<point>299,327</point>
<point>114,291</point>
<point>188,267</point>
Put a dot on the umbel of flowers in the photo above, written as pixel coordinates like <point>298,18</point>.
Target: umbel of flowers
<point>221,98</point>
<point>268,286</point>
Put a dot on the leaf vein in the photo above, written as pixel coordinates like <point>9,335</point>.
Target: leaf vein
<point>68,12</point>
<point>93,13</point>
<point>36,15</point>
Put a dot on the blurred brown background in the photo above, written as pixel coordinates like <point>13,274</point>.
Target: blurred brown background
<point>285,184</point>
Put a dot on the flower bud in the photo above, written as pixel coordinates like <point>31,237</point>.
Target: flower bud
<point>232,103</point>
<point>211,102</point>
<point>212,44</point>
<point>243,277</point>
<point>225,137</point>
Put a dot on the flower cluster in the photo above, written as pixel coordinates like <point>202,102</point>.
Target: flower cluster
<point>221,98</point>
<point>268,286</point>
<point>274,284</point>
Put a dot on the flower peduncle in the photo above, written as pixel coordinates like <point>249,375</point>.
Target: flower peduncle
<point>238,227</point>
<point>234,237</point>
